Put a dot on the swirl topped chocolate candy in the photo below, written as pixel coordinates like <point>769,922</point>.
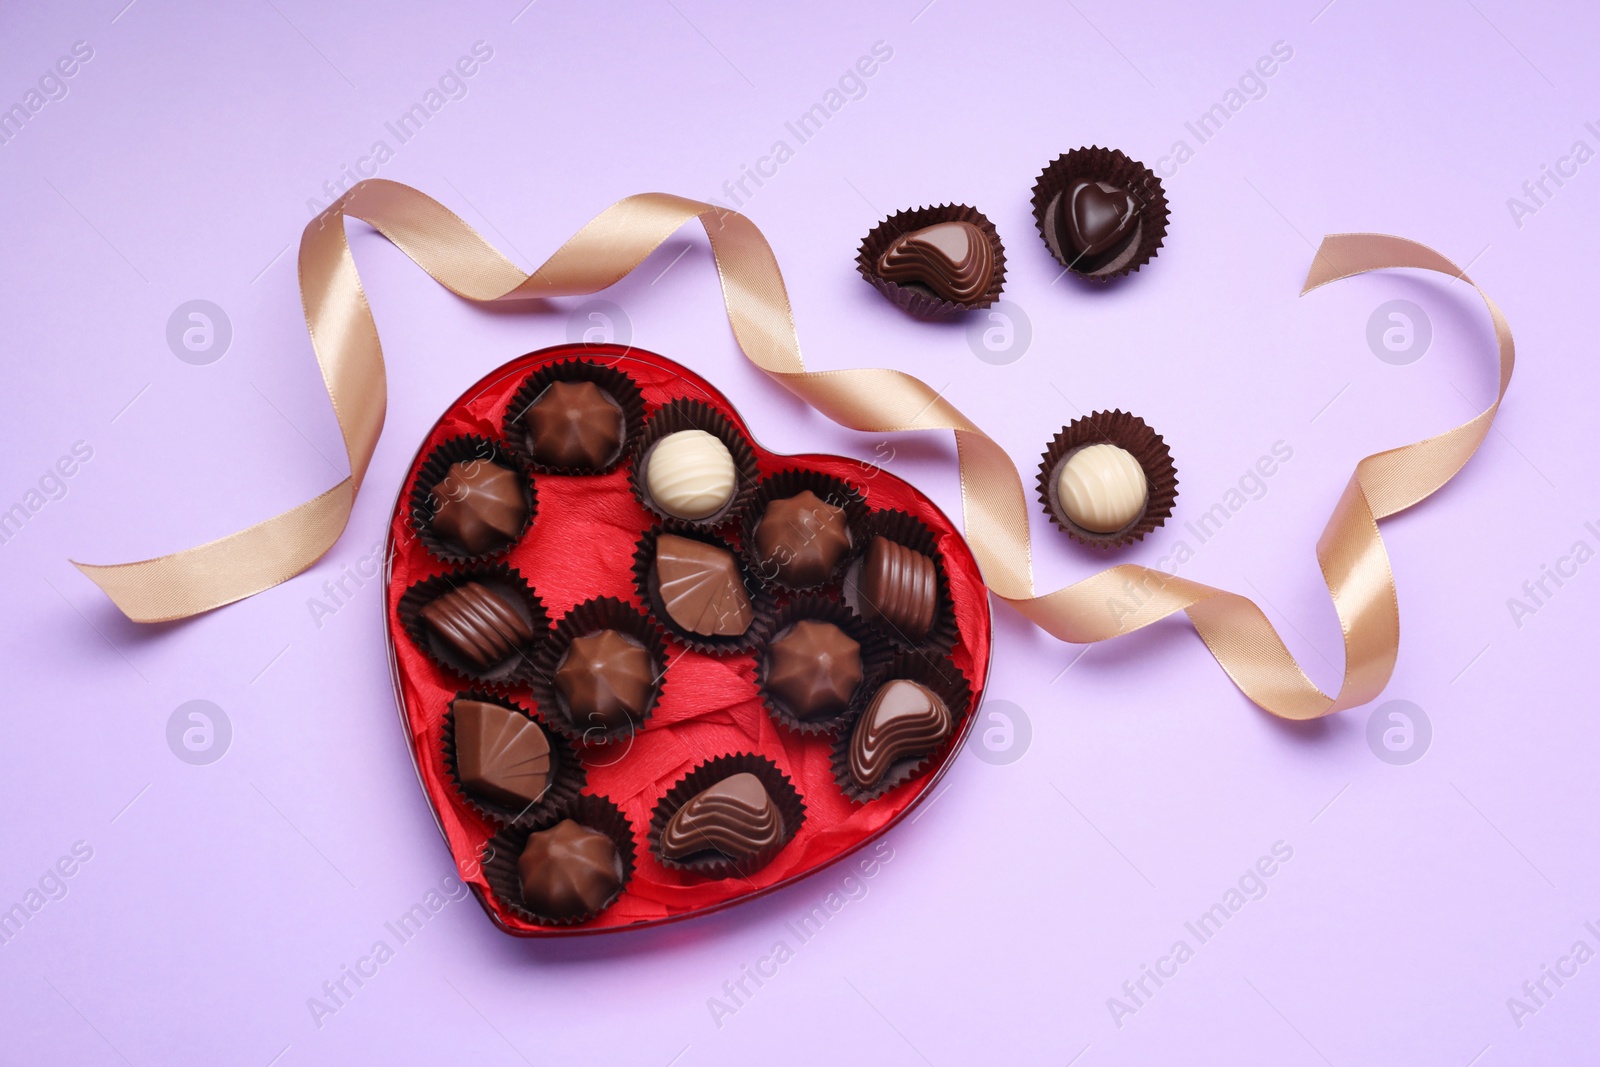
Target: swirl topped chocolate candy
<point>1101,488</point>
<point>569,871</point>
<point>478,623</point>
<point>905,720</point>
<point>899,588</point>
<point>735,817</point>
<point>953,259</point>
<point>480,506</point>
<point>813,667</point>
<point>574,424</point>
<point>802,539</point>
<point>501,754</point>
<point>607,680</point>
<point>690,474</point>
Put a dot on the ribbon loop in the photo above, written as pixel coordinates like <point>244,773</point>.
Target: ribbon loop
<point>1116,601</point>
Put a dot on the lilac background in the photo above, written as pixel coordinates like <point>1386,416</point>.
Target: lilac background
<point>220,898</point>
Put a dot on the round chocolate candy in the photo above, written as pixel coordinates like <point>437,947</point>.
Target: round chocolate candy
<point>607,680</point>
<point>574,424</point>
<point>1102,488</point>
<point>690,474</point>
<point>802,539</point>
<point>813,667</point>
<point>569,871</point>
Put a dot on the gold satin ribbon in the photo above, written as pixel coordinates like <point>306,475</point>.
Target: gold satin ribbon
<point>1113,602</point>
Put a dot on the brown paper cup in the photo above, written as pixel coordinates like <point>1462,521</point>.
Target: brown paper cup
<point>619,386</point>
<point>509,584</point>
<point>592,616</point>
<point>566,779</point>
<point>940,676</point>
<point>686,414</point>
<point>1127,432</point>
<point>788,483</point>
<point>499,856</point>
<point>1113,167</point>
<point>761,599</point>
<point>713,864</point>
<point>905,529</point>
<point>919,300</point>
<point>425,504</point>
<point>875,653</point>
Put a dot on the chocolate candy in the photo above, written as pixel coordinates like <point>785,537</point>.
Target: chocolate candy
<point>904,720</point>
<point>735,817</point>
<point>801,540</point>
<point>574,424</point>
<point>480,506</point>
<point>1095,222</point>
<point>953,259</point>
<point>690,474</point>
<point>899,588</point>
<point>478,624</point>
<point>569,871</point>
<point>1101,488</point>
<point>701,587</point>
<point>814,668</point>
<point>607,680</point>
<point>501,754</point>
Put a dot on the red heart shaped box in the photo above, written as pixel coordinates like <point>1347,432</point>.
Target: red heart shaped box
<point>581,545</point>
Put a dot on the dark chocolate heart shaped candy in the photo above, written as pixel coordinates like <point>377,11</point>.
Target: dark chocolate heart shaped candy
<point>1100,218</point>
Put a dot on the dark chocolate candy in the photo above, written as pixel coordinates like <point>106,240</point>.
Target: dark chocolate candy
<point>478,624</point>
<point>574,424</point>
<point>479,505</point>
<point>569,871</point>
<point>953,259</point>
<point>607,680</point>
<point>1095,222</point>
<point>899,587</point>
<point>813,668</point>
<point>802,539</point>
<point>701,587</point>
<point>735,817</point>
<point>501,754</point>
<point>904,720</point>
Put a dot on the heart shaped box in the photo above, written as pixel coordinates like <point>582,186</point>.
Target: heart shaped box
<point>580,546</point>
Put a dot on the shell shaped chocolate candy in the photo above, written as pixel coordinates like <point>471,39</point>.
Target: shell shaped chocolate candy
<point>581,547</point>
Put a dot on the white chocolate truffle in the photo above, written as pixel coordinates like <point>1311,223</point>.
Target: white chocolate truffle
<point>1101,488</point>
<point>690,474</point>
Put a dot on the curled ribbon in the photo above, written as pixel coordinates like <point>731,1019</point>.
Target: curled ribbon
<point>345,338</point>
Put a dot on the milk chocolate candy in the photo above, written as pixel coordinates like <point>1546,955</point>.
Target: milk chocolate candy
<point>801,540</point>
<point>899,588</point>
<point>814,668</point>
<point>479,506</point>
<point>905,720</point>
<point>574,424</point>
<point>735,817</point>
<point>501,754</point>
<point>569,871</point>
<point>479,624</point>
<point>606,679</point>
<point>702,588</point>
<point>953,259</point>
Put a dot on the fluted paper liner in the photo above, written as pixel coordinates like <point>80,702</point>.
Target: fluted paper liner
<point>1128,432</point>
<point>875,653</point>
<point>919,300</point>
<point>498,578</point>
<point>644,580</point>
<point>791,482</point>
<point>424,505</point>
<point>791,811</point>
<point>946,682</point>
<point>617,384</point>
<point>566,778</point>
<point>1113,167</point>
<point>500,855</point>
<point>592,616</point>
<point>686,414</point>
<point>906,529</point>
